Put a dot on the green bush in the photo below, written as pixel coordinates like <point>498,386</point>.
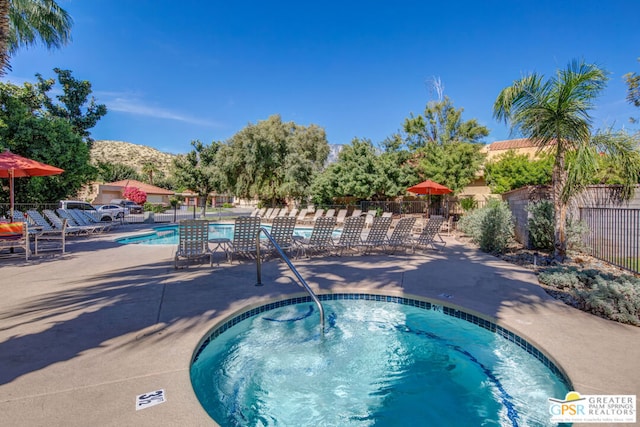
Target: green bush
<point>612,297</point>
<point>541,225</point>
<point>490,227</point>
<point>227,205</point>
<point>468,203</point>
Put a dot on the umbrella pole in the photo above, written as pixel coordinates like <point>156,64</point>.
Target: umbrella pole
<point>11,200</point>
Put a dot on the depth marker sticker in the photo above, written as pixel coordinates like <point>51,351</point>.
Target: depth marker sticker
<point>150,399</point>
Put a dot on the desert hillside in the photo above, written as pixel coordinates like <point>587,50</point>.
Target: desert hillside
<point>133,155</point>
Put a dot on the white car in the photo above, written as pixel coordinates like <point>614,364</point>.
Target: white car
<point>114,211</point>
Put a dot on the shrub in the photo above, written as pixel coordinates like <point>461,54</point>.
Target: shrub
<point>468,204</point>
<point>612,297</point>
<point>490,227</point>
<point>497,228</point>
<point>541,225</point>
<point>227,205</point>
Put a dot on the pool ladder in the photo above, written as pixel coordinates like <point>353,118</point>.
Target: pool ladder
<point>293,269</point>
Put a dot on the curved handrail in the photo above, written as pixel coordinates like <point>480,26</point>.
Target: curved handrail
<point>293,269</point>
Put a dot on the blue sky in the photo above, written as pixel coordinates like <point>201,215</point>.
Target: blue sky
<point>171,72</point>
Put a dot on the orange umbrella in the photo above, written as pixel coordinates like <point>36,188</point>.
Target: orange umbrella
<point>429,187</point>
<point>13,165</point>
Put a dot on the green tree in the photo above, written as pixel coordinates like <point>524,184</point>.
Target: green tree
<point>273,160</point>
<point>26,23</point>
<point>441,124</point>
<point>111,172</point>
<point>149,169</point>
<point>75,103</point>
<point>198,171</point>
<point>363,173</point>
<point>447,148</point>
<point>25,131</point>
<point>633,90</point>
<point>555,113</point>
<point>510,171</point>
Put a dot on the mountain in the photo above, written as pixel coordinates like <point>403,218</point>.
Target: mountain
<point>133,155</point>
<point>334,150</point>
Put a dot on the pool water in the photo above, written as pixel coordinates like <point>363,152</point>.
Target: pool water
<point>168,235</point>
<point>378,364</point>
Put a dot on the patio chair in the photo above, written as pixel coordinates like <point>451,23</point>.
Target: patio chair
<point>377,236</point>
<point>429,234</point>
<point>244,236</point>
<point>74,222</point>
<point>45,236</point>
<point>356,212</point>
<point>59,224</point>
<point>86,218</point>
<point>401,235</point>
<point>301,215</point>
<point>282,231</point>
<point>317,214</point>
<point>320,239</point>
<point>330,212</point>
<point>267,214</point>
<point>371,214</point>
<point>15,235</point>
<point>387,214</point>
<point>193,241</point>
<point>351,236</point>
<point>293,213</point>
<point>342,215</point>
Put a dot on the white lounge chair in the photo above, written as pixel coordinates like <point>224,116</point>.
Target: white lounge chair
<point>351,235</point>
<point>321,236</point>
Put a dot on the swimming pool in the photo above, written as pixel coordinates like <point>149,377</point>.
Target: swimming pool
<point>382,361</point>
<point>168,235</point>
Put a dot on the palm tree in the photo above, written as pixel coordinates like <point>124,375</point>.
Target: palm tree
<point>555,114</point>
<point>24,23</point>
<point>148,169</point>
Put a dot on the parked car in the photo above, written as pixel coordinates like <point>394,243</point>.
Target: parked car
<point>115,211</point>
<point>133,207</point>
<point>87,207</point>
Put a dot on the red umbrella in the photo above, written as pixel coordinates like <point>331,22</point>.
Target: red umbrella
<point>13,165</point>
<point>429,187</point>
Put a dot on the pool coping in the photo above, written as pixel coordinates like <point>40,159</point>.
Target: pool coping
<point>488,323</point>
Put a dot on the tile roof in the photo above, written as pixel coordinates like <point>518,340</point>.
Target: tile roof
<point>147,188</point>
<point>511,144</point>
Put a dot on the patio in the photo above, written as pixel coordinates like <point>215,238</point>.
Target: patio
<point>81,335</point>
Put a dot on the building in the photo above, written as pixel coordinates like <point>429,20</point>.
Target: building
<point>115,190</point>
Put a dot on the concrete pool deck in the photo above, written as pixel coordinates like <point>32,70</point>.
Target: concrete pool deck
<point>83,334</point>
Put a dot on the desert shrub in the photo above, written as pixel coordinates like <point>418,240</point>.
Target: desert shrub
<point>491,227</point>
<point>612,297</point>
<point>576,231</point>
<point>468,203</point>
<point>541,225</point>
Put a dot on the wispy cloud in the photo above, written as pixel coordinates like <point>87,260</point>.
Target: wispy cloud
<point>133,105</point>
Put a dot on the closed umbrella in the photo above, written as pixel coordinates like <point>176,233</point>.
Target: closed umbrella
<point>13,165</point>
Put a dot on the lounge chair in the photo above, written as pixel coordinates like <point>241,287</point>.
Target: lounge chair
<point>317,214</point>
<point>73,219</point>
<point>86,218</point>
<point>371,214</point>
<point>356,212</point>
<point>301,215</point>
<point>342,215</point>
<point>293,213</point>
<point>245,232</point>
<point>387,214</point>
<point>59,224</point>
<point>351,236</point>
<point>401,235</point>
<point>320,239</point>
<point>429,233</point>
<point>267,214</point>
<point>15,235</point>
<point>377,236</point>
<point>330,212</point>
<point>282,231</point>
<point>193,241</point>
<point>47,237</point>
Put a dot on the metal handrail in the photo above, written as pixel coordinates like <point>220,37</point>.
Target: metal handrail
<point>293,269</point>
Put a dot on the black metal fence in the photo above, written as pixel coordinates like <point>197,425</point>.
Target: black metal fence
<point>614,235</point>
